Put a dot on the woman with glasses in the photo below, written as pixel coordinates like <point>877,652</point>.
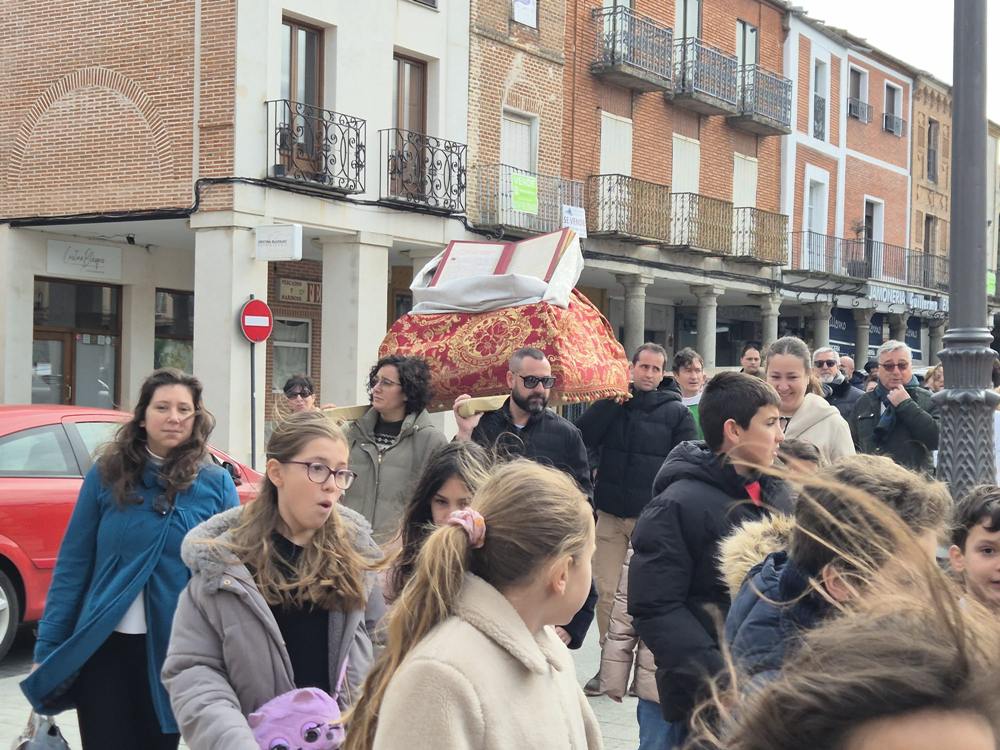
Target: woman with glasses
<point>804,414</point>
<point>300,395</point>
<point>391,443</point>
<point>119,573</point>
<point>282,594</point>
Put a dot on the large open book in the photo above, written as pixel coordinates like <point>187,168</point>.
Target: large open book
<point>536,256</point>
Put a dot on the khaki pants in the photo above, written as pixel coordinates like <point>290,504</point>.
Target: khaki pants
<point>613,536</point>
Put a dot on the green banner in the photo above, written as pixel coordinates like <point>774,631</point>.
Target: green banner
<point>524,193</point>
<point>991,284</point>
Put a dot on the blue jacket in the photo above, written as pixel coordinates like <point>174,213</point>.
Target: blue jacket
<point>769,616</point>
<point>108,555</point>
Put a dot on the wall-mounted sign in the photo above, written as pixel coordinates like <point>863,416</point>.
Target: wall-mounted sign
<point>82,260</point>
<point>913,336</point>
<point>524,193</point>
<point>297,291</point>
<point>575,218</point>
<point>913,300</point>
<point>278,242</point>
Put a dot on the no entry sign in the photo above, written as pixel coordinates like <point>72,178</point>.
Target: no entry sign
<point>256,321</point>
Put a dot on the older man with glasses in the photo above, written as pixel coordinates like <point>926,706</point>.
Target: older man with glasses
<point>837,389</point>
<point>897,418</point>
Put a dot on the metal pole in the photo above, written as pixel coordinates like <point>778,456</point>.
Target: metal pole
<point>253,406</point>
<point>967,403</point>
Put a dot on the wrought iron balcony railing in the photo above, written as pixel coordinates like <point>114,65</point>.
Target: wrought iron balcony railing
<point>859,110</point>
<point>622,206</point>
<point>765,96</point>
<point>929,271</point>
<point>316,146</point>
<point>859,258</point>
<point>516,199</point>
<point>893,124</point>
<point>760,235</point>
<point>423,169</point>
<point>819,117</point>
<point>702,223</point>
<point>705,71</point>
<point>633,50</point>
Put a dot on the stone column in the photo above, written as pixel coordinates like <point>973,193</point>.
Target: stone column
<point>635,309</point>
<point>708,303</point>
<point>935,329</point>
<point>355,286</point>
<point>420,256</point>
<point>225,275</point>
<point>897,326</point>
<point>770,307</point>
<point>16,306</point>
<point>821,322</point>
<point>863,327</point>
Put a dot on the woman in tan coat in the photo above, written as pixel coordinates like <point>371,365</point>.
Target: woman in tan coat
<point>472,660</point>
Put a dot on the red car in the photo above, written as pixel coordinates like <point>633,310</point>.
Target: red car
<point>44,453</point>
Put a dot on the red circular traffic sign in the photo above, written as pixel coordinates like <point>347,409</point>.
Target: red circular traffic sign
<point>256,321</point>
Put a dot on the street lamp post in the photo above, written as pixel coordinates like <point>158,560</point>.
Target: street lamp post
<point>967,402</point>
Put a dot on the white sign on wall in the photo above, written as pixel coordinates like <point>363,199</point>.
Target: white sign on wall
<point>278,242</point>
<point>575,218</point>
<point>83,260</point>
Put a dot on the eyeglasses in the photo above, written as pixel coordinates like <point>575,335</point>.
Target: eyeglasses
<point>826,363</point>
<point>532,381</point>
<point>320,473</point>
<point>292,395</point>
<point>384,382</point>
<point>890,366</point>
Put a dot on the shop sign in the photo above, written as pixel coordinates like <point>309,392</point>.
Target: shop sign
<point>913,300</point>
<point>913,341</point>
<point>82,260</point>
<point>278,242</point>
<point>575,218</point>
<point>524,193</point>
<point>298,291</point>
<point>842,331</point>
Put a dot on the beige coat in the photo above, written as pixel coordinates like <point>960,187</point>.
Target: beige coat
<point>622,647</point>
<point>481,680</point>
<point>821,424</point>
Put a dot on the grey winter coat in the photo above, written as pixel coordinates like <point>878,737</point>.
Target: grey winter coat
<point>384,481</point>
<point>227,657</point>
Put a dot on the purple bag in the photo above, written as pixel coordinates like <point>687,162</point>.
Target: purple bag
<point>306,718</point>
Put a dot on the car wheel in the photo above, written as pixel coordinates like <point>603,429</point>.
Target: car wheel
<point>10,614</point>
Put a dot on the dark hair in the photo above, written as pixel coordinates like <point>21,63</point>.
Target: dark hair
<point>748,346</point>
<point>829,525</point>
<point>650,347</point>
<point>980,506</point>
<point>686,357</point>
<point>123,459</point>
<point>994,373</point>
<point>414,377</point>
<point>872,377</point>
<point>520,354</point>
<point>732,395</point>
<point>800,450</point>
<point>301,380</point>
<point>463,459</point>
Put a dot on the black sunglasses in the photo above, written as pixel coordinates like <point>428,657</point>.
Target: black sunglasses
<point>531,381</point>
<point>296,394</point>
<point>827,362</point>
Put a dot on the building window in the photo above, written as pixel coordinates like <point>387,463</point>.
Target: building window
<point>525,12</point>
<point>819,100</point>
<point>892,120</point>
<point>933,127</point>
<point>409,102</point>
<point>517,141</point>
<point>857,101</point>
<point>301,63</point>
<point>930,233</point>
<point>746,43</point>
<point>174,342</point>
<point>688,19</point>
<point>292,341</point>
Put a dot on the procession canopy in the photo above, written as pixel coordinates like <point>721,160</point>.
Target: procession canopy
<point>477,302</point>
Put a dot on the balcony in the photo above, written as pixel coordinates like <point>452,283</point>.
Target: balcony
<point>316,146</point>
<point>423,170</point>
<point>929,271</point>
<point>893,124</point>
<point>819,117</point>
<point>698,222</point>
<point>765,102</point>
<point>704,78</point>
<point>760,236</point>
<point>867,260</point>
<point>632,50</point>
<point>517,201</point>
<point>626,208</point>
<point>859,110</point>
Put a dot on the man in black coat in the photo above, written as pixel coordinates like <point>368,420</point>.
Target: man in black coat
<point>632,438</point>
<point>838,391</point>
<point>524,426</point>
<point>702,492</point>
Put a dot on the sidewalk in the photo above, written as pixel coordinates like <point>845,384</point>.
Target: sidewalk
<point>621,732</point>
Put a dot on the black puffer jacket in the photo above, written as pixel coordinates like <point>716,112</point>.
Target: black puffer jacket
<point>843,396</point>
<point>634,438</point>
<point>913,439</point>
<point>674,582</point>
<point>546,438</point>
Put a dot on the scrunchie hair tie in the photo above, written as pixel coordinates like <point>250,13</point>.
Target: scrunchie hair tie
<point>473,523</point>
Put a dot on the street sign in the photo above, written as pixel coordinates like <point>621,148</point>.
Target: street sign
<point>256,321</point>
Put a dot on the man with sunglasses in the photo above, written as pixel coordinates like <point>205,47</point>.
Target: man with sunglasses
<point>837,388</point>
<point>897,419</point>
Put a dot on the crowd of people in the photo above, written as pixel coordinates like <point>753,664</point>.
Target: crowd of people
<point>761,550</point>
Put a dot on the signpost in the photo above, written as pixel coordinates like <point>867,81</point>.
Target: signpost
<point>256,322</point>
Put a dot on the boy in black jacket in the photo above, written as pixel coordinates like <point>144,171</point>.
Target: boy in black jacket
<point>703,490</point>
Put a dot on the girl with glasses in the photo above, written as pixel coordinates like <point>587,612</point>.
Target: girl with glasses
<point>283,593</point>
<point>108,611</point>
<point>390,444</point>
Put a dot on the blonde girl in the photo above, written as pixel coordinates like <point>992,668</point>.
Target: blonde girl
<point>472,658</point>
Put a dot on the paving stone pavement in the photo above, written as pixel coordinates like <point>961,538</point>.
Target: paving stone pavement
<point>621,732</point>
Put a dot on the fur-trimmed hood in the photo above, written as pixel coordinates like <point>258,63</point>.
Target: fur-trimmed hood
<point>749,544</point>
